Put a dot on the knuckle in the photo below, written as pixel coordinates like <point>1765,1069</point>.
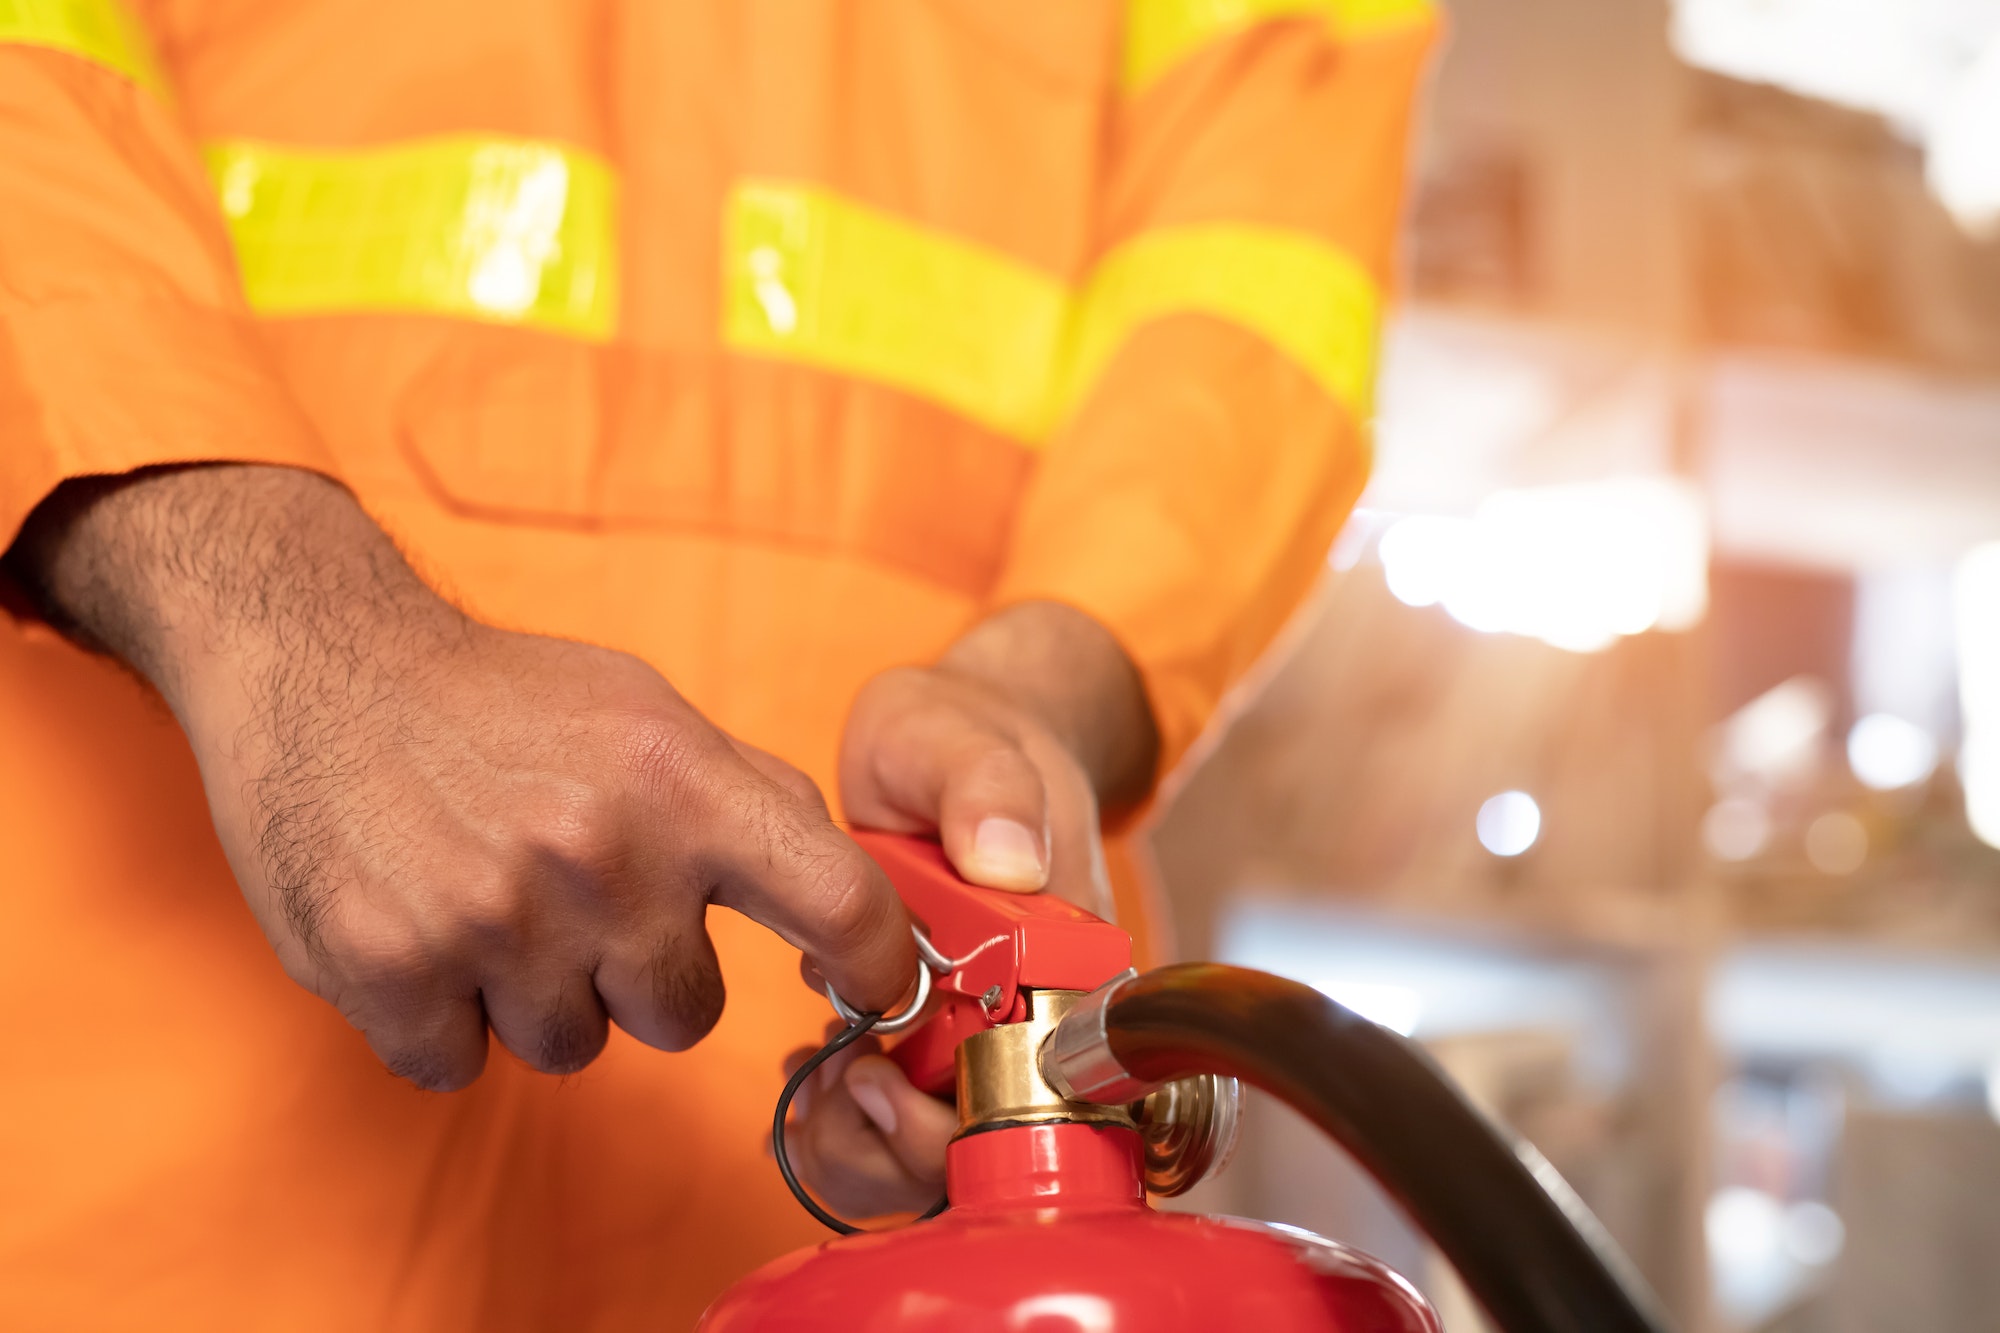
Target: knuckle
<point>476,913</point>
<point>567,1043</point>
<point>437,1049</point>
<point>897,680</point>
<point>796,783</point>
<point>920,715</point>
<point>664,757</point>
<point>687,990</point>
<point>884,707</point>
<point>848,900</point>
<point>381,960</point>
<point>430,1070</point>
<point>577,828</point>
<point>1000,762</point>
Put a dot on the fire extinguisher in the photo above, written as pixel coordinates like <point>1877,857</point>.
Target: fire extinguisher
<point>1082,1087</point>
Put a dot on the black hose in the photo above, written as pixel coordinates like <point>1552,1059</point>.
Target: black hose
<point>1525,1246</point>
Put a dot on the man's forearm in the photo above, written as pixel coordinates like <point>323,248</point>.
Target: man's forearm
<point>170,567</point>
<point>1073,675</point>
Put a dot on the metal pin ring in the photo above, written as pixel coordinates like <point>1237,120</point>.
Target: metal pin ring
<point>932,955</point>
<point>916,1008</point>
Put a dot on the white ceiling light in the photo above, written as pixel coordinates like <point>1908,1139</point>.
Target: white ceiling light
<point>1887,752</point>
<point>1576,566</point>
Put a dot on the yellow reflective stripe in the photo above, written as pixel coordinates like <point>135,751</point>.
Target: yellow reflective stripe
<point>811,278</point>
<point>1161,33</point>
<point>511,231</point>
<point>1357,18</point>
<point>100,31</point>
<point>1310,301</point>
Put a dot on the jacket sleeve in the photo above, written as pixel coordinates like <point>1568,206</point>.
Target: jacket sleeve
<point>124,338</point>
<point>1221,360</point>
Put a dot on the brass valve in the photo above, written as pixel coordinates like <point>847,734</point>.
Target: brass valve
<point>1189,1127</point>
<point>1000,1078</point>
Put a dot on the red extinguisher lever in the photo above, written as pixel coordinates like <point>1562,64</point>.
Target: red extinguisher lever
<point>987,946</point>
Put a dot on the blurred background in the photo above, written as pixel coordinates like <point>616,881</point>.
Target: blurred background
<point>1641,753</point>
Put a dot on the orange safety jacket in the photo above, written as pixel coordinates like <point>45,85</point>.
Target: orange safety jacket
<point>774,341</point>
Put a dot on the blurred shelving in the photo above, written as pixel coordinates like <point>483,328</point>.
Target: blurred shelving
<point>1622,267</point>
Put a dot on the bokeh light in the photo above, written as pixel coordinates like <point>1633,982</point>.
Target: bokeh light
<point>1887,752</point>
<point>1736,829</point>
<point>1509,823</point>
<point>1836,843</point>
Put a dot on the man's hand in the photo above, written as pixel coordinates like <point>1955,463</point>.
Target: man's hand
<point>1006,749</point>
<point>441,825</point>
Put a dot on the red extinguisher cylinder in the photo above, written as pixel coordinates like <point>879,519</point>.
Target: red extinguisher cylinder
<point>1050,1231</point>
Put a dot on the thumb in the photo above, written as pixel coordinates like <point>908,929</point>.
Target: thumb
<point>987,799</point>
<point>917,759</point>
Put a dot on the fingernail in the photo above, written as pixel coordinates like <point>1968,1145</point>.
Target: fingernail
<point>1005,855</point>
<point>874,1103</point>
